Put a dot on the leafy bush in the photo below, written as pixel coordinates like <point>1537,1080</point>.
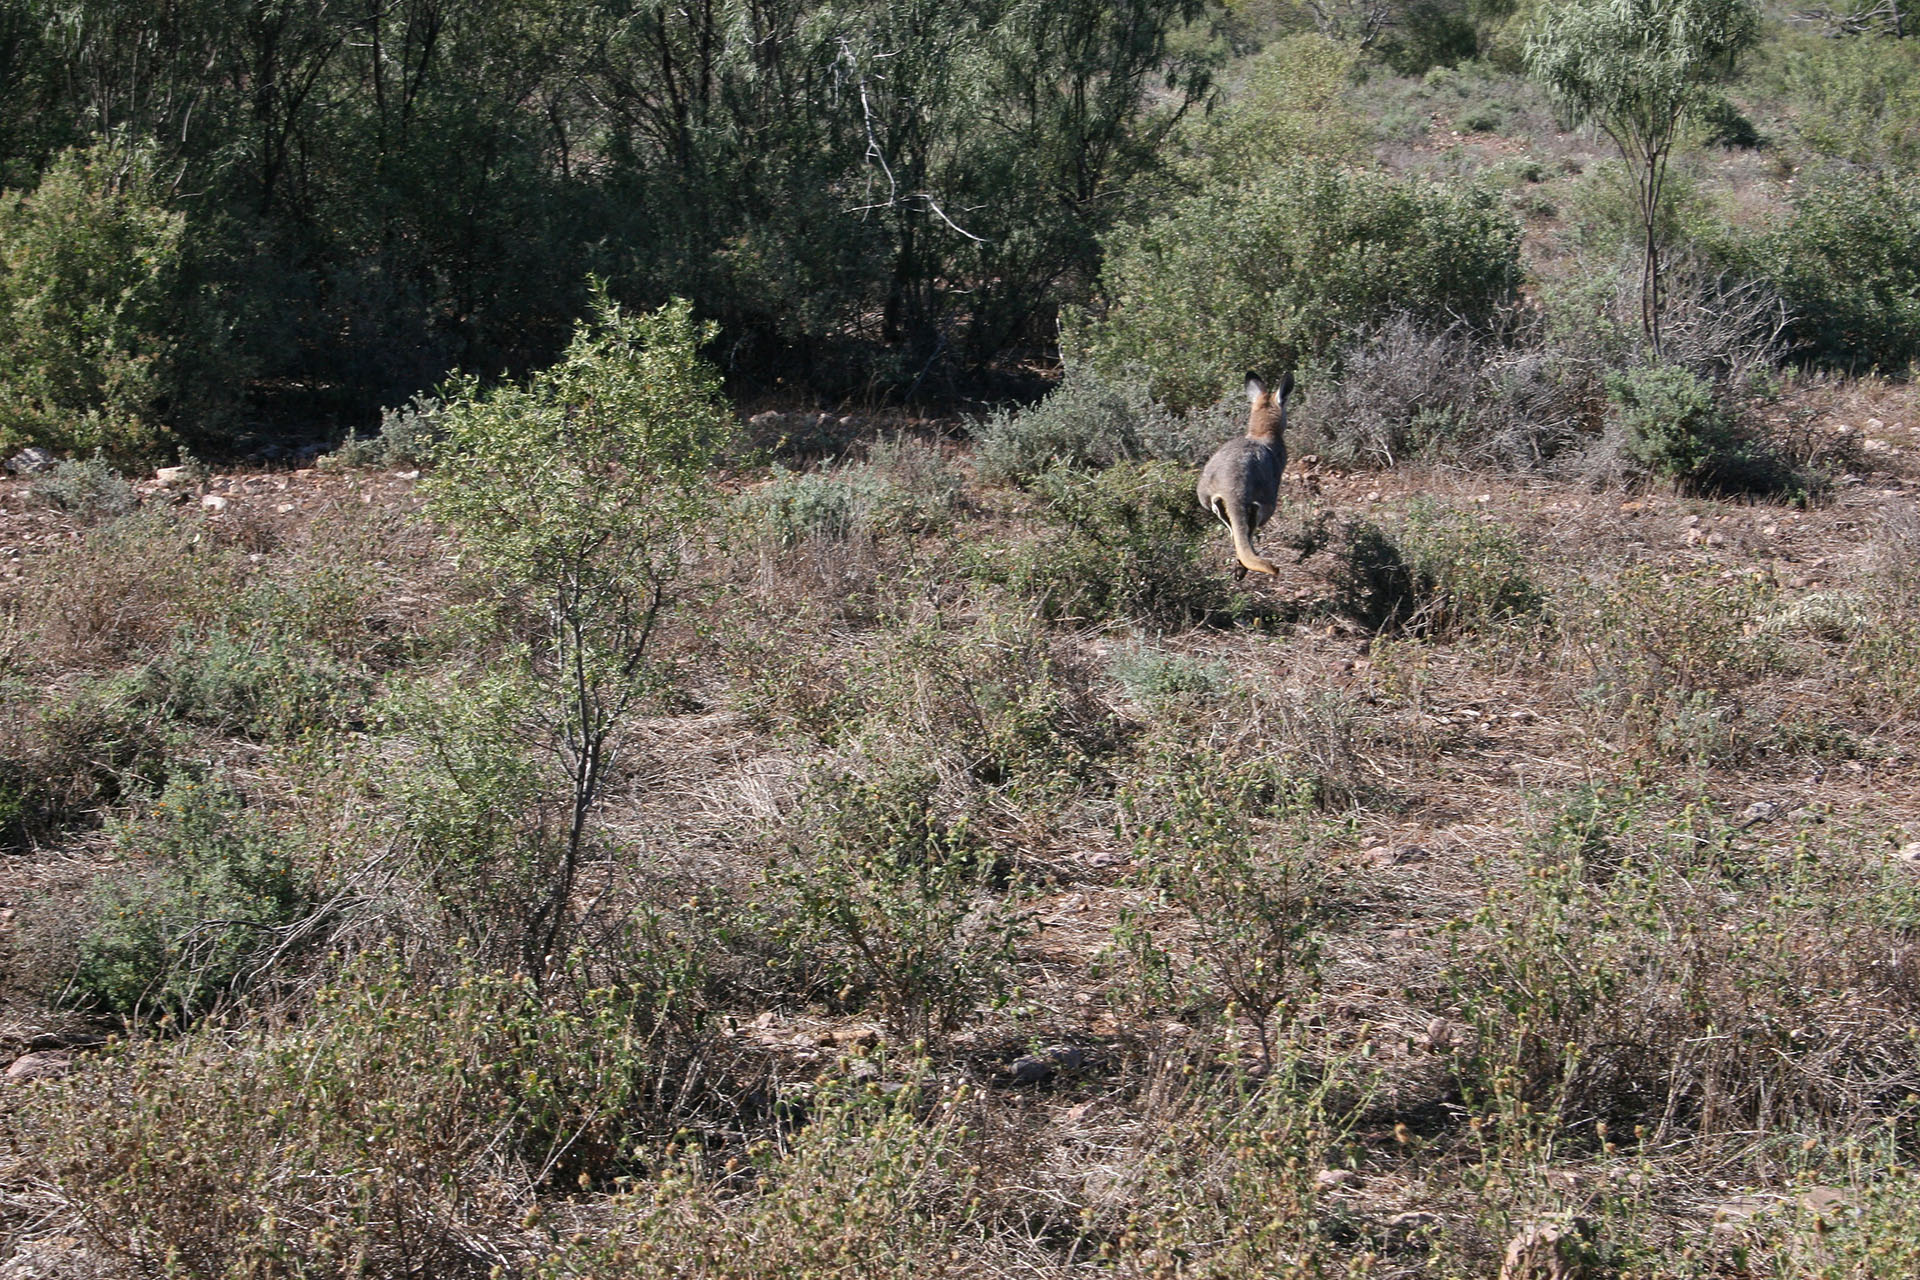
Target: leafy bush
<point>1231,845</point>
<point>1853,100</point>
<point>66,757</point>
<point>88,265</point>
<point>1124,543</point>
<point>887,902</point>
<point>265,686</point>
<point>1847,264</point>
<point>406,437</point>
<point>573,498</point>
<point>1602,980</point>
<point>1156,676</point>
<point>209,882</point>
<point>1441,572</point>
<point>1674,427</point>
<point>870,1186</point>
<point>94,490</point>
<point>1269,273</point>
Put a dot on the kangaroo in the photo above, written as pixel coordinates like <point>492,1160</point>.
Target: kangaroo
<point>1241,482</point>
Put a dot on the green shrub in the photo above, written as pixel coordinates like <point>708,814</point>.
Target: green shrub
<point>1156,676</point>
<point>875,1184</point>
<point>1121,544</point>
<point>1089,420</point>
<point>1441,572</point>
<point>888,903</point>
<point>65,758</point>
<point>208,882</point>
<point>904,488</point>
<point>1231,845</point>
<point>263,686</point>
<point>88,266</point>
<point>1847,264</point>
<point>1643,965</point>
<point>1272,272</point>
<point>1854,100</point>
<point>406,438</point>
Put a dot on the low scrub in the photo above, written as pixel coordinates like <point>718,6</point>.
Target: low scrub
<point>1124,544</point>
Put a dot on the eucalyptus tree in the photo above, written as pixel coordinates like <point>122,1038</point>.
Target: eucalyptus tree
<point>1635,69</point>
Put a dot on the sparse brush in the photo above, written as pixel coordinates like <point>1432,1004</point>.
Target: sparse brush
<point>884,901</point>
<point>93,489</point>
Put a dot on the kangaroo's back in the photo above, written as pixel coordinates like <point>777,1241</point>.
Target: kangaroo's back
<point>1240,484</point>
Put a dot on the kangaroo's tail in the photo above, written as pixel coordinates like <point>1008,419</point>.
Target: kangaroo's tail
<point>1236,521</point>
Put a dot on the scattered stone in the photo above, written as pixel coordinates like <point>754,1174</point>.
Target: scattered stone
<point>39,1066</point>
<point>168,477</point>
<point>406,475</point>
<point>1874,424</point>
<point>31,461</point>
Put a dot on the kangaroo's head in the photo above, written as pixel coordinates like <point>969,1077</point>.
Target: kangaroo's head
<point>1267,412</point>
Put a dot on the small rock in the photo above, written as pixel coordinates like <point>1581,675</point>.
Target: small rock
<point>1761,811</point>
<point>39,1066</point>
<point>168,477</point>
<point>31,461</point>
<point>1331,1178</point>
<point>1716,539</point>
<point>1909,852</point>
<point>1875,446</point>
<point>1694,537</point>
<point>1874,424</point>
<point>1692,521</point>
<point>1413,1220</point>
<point>214,502</point>
<point>406,475</point>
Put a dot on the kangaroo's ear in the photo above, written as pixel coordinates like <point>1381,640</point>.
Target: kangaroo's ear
<point>1256,389</point>
<point>1286,386</point>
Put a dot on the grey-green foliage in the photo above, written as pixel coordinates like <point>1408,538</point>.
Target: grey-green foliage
<point>1095,418</point>
<point>1154,676</point>
<point>1279,269</point>
<point>195,907</point>
<point>1674,427</point>
<point>904,487</point>
<point>1636,69</point>
<point>1847,263</point>
<point>406,438</point>
<point>1123,544</point>
<point>92,489</point>
<point>1439,572</point>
